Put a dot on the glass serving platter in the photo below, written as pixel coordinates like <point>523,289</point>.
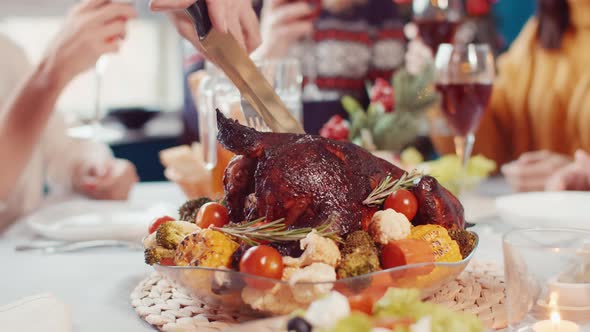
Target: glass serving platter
<point>238,292</point>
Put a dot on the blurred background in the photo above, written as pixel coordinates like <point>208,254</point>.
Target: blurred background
<point>149,73</point>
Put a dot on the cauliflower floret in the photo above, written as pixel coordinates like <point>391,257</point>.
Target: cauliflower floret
<point>288,272</point>
<point>278,301</point>
<point>316,272</point>
<point>326,312</point>
<point>388,226</point>
<point>317,249</point>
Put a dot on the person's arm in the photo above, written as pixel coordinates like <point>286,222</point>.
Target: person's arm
<point>23,121</point>
<point>84,166</point>
<point>282,24</point>
<point>91,29</point>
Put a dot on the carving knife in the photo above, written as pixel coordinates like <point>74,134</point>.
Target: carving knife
<point>223,49</point>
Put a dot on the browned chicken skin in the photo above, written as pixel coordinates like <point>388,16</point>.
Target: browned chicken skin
<point>305,179</point>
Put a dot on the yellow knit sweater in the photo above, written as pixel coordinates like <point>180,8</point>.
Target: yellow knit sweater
<point>540,99</point>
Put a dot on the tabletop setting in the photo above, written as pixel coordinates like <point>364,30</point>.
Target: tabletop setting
<point>320,165</point>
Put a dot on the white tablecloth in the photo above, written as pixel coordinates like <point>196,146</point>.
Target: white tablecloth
<point>96,284</point>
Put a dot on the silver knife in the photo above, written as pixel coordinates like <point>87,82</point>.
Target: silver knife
<point>223,49</point>
<point>62,247</point>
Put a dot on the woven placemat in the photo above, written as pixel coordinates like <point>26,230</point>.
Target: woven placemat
<point>479,290</point>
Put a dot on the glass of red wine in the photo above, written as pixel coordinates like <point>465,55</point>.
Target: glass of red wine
<point>437,20</point>
<point>464,77</point>
<point>311,92</point>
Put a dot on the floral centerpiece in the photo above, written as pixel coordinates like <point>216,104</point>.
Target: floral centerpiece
<point>391,120</point>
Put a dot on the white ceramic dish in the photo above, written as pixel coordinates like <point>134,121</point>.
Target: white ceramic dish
<point>84,220</point>
<point>569,209</point>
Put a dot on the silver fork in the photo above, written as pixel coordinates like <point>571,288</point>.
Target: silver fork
<point>253,120</point>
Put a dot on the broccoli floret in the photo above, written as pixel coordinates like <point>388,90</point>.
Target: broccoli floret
<point>358,263</point>
<point>155,254</point>
<point>359,256</point>
<point>465,239</point>
<point>356,240</point>
<point>170,234</point>
<point>188,211</point>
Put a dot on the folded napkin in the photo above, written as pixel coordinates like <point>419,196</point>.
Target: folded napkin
<point>43,312</point>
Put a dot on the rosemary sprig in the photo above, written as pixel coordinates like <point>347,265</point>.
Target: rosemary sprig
<point>257,231</point>
<point>389,186</point>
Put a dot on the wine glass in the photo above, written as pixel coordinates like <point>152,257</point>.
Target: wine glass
<point>464,77</point>
<point>437,20</point>
<point>311,91</point>
<point>92,127</point>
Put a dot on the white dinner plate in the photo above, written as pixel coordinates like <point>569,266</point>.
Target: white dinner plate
<point>546,209</point>
<point>97,220</point>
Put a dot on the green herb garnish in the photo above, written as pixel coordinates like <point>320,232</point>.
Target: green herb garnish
<point>257,231</point>
<point>388,186</point>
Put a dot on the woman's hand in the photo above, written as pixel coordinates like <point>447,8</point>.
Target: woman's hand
<point>236,16</point>
<point>282,24</point>
<point>575,176</point>
<point>91,29</point>
<point>110,180</point>
<point>531,171</point>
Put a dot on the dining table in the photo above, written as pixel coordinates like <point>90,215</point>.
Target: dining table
<point>96,284</point>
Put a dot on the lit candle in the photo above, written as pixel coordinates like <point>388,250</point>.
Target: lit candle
<point>556,324</point>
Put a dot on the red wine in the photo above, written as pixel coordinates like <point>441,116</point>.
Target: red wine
<point>435,32</point>
<point>463,105</point>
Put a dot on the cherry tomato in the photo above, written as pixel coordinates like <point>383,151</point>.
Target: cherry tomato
<point>157,222</point>
<point>212,213</point>
<point>167,261</point>
<point>262,261</point>
<point>402,201</point>
<point>362,302</point>
<point>366,299</point>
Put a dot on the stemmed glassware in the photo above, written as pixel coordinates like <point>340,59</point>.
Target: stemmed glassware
<point>464,77</point>
<point>92,127</point>
<point>437,20</point>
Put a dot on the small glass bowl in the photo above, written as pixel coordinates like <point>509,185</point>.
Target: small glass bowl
<point>247,294</point>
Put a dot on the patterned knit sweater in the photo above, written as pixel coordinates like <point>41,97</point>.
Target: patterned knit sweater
<point>354,47</point>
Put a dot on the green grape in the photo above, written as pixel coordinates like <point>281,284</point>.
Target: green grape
<point>480,166</point>
<point>448,171</point>
<point>411,156</point>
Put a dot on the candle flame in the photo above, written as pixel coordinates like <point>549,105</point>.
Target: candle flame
<point>555,318</point>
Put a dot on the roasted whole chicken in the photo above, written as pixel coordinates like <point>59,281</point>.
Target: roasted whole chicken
<point>305,179</point>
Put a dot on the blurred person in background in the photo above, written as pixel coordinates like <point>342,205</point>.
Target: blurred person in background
<point>539,112</point>
<point>353,42</point>
<point>37,153</point>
